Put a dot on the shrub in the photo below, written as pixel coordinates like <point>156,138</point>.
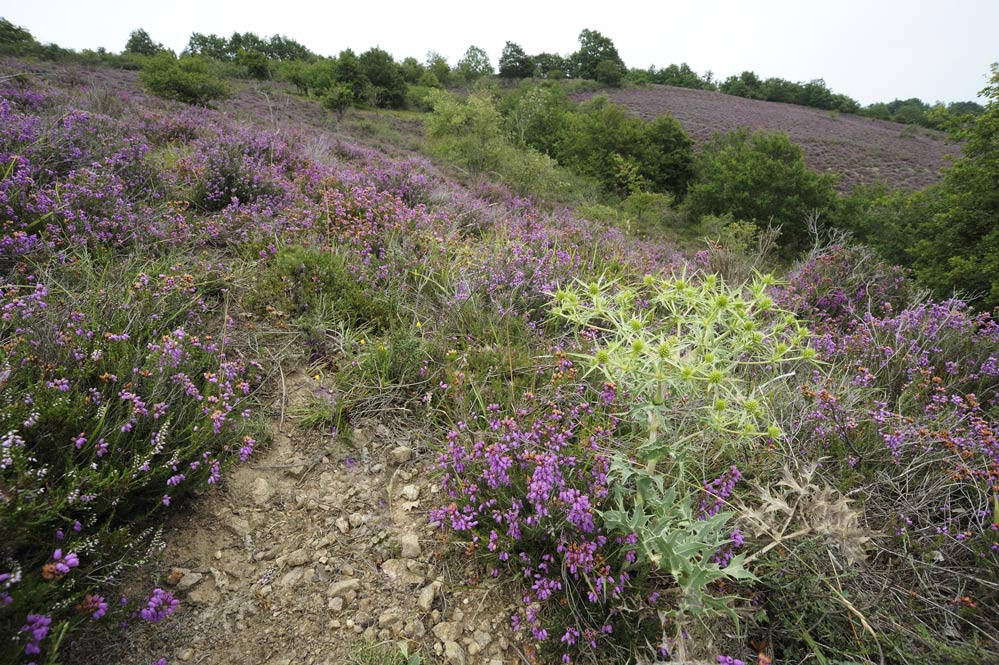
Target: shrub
<point>760,178</point>
<point>188,79</point>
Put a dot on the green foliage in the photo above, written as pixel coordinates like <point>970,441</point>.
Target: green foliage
<point>687,353</point>
<point>514,62</point>
<point>473,65</point>
<point>597,58</point>
<point>188,79</point>
<point>537,116</point>
<point>763,178</point>
<point>681,76</point>
<point>412,70</point>
<point>338,99</point>
<point>255,63</point>
<point>15,40</point>
<point>625,153</point>
<point>140,43</point>
<point>552,66</point>
<point>438,67</point>
<point>467,132</point>
<point>385,75</point>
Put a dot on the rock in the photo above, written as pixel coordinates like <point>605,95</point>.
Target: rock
<point>298,558</point>
<point>474,649</point>
<point>409,544</point>
<point>392,620</point>
<point>454,654</point>
<point>482,638</point>
<point>185,655</point>
<point>189,580</point>
<point>335,604</point>
<point>426,598</point>
<point>237,526</point>
<point>342,524</point>
<point>292,578</point>
<point>356,520</point>
<point>261,491</point>
<point>383,431</point>
<point>401,454</point>
<point>398,570</point>
<point>448,631</point>
<point>410,492</point>
<point>204,594</point>
<point>342,587</point>
<point>414,629</point>
<point>361,437</point>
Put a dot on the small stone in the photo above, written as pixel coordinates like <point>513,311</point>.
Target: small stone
<point>426,598</point>
<point>218,554</point>
<point>341,587</point>
<point>474,649</point>
<point>448,631</point>
<point>356,520</point>
<point>409,544</point>
<point>261,492</point>
<point>414,629</point>
<point>454,654</point>
<point>189,580</point>
<point>392,620</point>
<point>361,437</point>
<point>398,570</point>
<point>377,467</point>
<point>482,638</point>
<point>401,454</point>
<point>292,577</point>
<point>335,604</point>
<point>185,655</point>
<point>238,526</point>
<point>298,558</point>
<point>410,492</point>
<point>342,525</point>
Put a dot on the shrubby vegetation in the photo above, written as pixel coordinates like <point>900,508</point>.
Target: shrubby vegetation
<point>663,462</point>
<point>189,79</point>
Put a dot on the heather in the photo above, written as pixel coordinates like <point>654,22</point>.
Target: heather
<point>649,459</point>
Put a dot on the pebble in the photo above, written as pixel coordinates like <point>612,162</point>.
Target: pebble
<point>454,654</point>
<point>341,587</point>
<point>398,570</point>
<point>261,491</point>
<point>409,544</point>
<point>298,558</point>
<point>447,631</point>
<point>410,492</point>
<point>426,598</point>
<point>342,525</point>
<point>401,454</point>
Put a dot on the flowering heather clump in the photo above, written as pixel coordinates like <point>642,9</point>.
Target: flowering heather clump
<point>526,490</point>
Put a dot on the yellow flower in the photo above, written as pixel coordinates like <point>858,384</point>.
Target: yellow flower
<point>418,325</point>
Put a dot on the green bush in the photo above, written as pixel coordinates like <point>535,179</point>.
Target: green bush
<point>625,153</point>
<point>188,79</point>
<point>761,178</point>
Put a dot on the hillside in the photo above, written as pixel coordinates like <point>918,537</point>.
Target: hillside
<point>279,388</point>
<point>861,150</point>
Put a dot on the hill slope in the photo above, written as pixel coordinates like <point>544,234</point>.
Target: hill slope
<point>861,150</point>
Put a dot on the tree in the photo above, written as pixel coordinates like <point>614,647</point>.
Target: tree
<point>625,153</point>
<point>437,65</point>
<point>514,63</point>
<point>746,84</point>
<point>140,43</point>
<point>188,79</point>
<point>15,40</point>
<point>412,70</point>
<point>552,66</point>
<point>338,99</point>
<point>593,49</point>
<point>956,246</point>
<point>760,178</point>
<point>473,65</point>
<point>208,46</point>
<point>385,74</point>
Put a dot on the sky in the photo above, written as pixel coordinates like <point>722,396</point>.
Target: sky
<point>871,50</point>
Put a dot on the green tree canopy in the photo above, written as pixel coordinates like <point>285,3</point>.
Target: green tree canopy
<point>514,62</point>
<point>594,48</point>
<point>474,64</point>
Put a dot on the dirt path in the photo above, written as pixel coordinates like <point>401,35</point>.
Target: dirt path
<point>319,551</point>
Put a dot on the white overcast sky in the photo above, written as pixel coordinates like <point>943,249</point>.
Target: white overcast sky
<point>872,50</point>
